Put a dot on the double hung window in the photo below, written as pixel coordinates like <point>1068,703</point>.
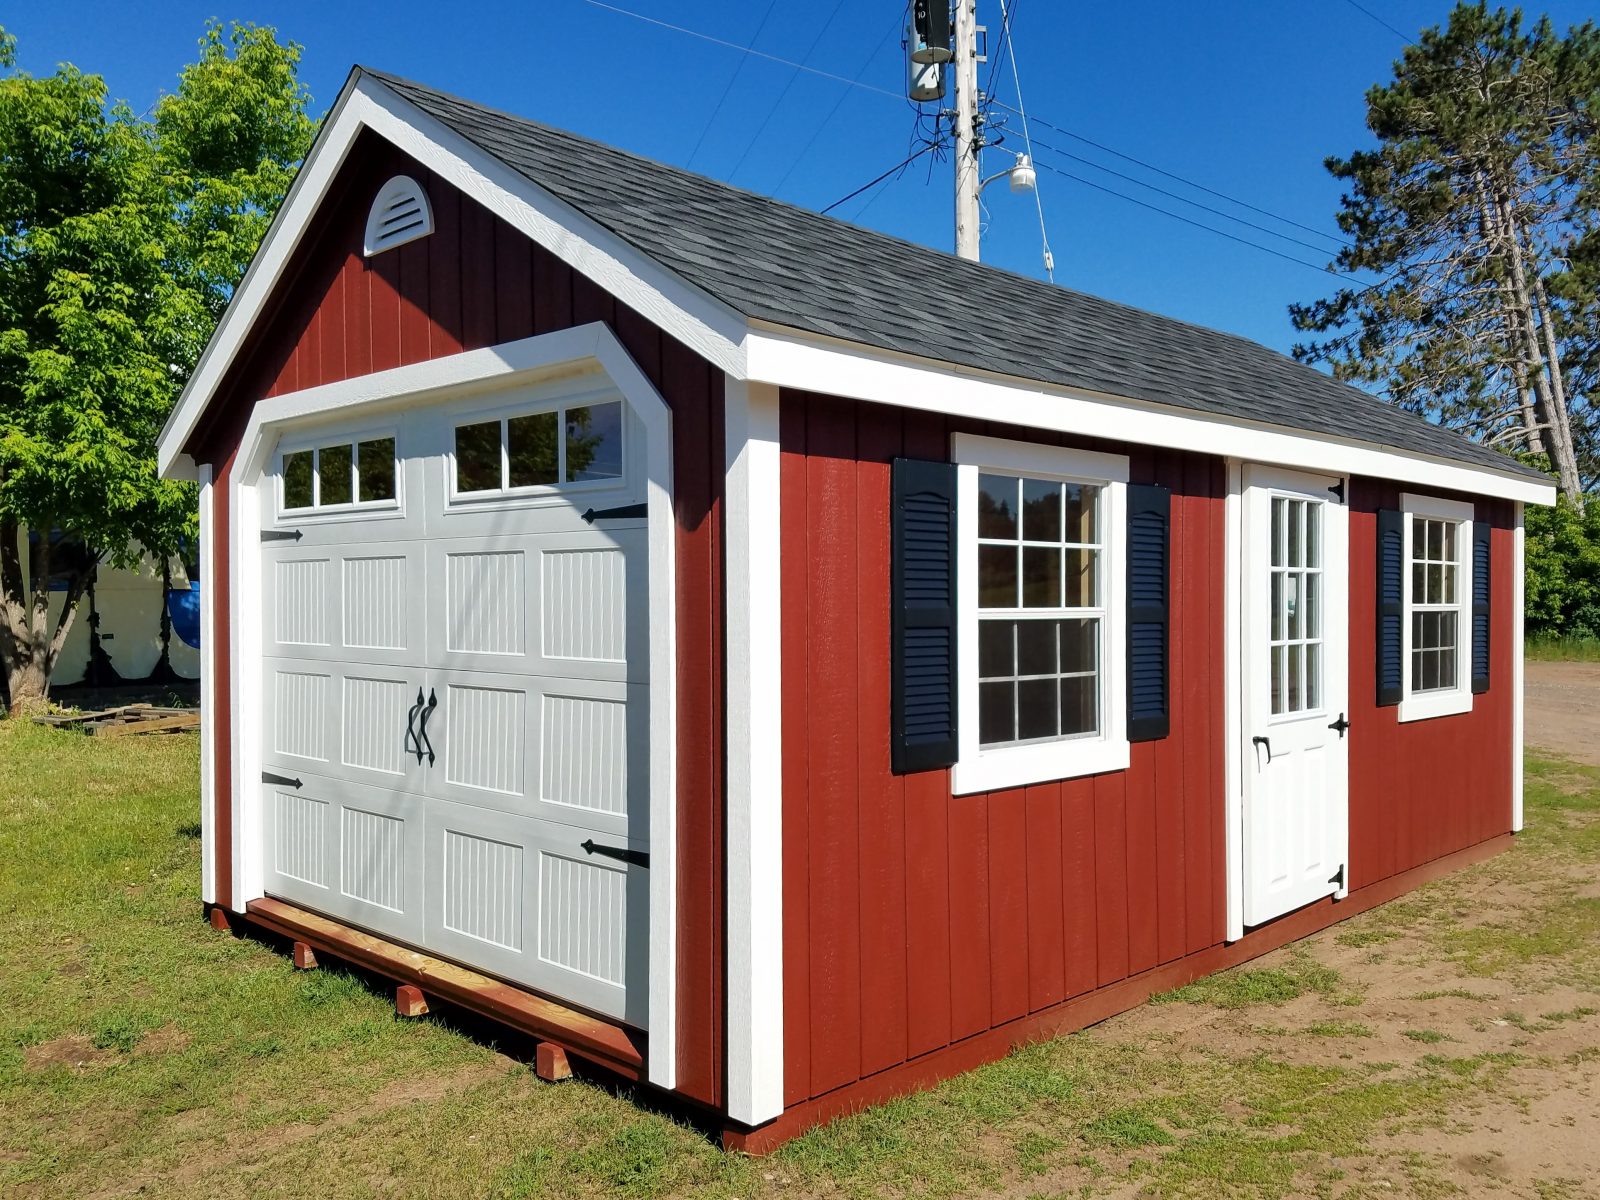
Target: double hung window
<point>1437,624</point>
<point>1041,617</point>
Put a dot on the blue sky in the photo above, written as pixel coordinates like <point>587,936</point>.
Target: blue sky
<point>1245,98</point>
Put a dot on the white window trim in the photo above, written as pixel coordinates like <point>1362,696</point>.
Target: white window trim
<point>560,491</point>
<point>980,770</point>
<point>1423,706</point>
<point>315,443</point>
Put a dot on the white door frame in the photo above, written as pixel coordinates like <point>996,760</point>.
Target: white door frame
<point>1234,650</point>
<point>566,352</point>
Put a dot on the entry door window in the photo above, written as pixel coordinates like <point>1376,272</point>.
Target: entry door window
<point>1296,605</point>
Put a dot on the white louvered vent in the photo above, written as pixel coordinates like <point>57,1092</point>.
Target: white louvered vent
<point>400,214</point>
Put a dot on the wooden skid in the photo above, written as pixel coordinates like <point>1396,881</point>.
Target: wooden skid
<point>129,719</point>
<point>610,1046</point>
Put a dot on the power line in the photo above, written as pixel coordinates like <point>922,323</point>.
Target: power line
<point>816,132</point>
<point>750,50</point>
<point>732,79</point>
<point>1210,191</point>
<point>875,182</point>
<point>1406,38</point>
<point>868,87</point>
<point>1027,138</point>
<point>784,95</point>
<point>1188,221</point>
<point>1227,216</point>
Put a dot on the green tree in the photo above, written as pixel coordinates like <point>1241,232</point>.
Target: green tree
<point>121,240</point>
<point>1469,210</point>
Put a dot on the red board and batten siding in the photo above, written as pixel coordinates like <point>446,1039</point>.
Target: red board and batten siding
<point>922,929</point>
<point>1424,789</point>
<point>475,282</point>
<point>914,919</point>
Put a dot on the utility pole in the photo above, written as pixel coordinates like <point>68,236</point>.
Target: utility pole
<point>969,139</point>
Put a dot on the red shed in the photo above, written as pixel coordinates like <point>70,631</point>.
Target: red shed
<point>788,666</point>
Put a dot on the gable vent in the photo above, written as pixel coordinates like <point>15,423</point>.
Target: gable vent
<point>400,214</point>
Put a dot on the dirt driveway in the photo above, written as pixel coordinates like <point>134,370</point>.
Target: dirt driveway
<point>1563,709</point>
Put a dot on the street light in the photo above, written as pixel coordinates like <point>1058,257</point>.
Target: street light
<point>1021,173</point>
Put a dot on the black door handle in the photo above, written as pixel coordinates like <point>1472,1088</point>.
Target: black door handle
<point>1341,725</point>
<point>412,744</point>
<point>422,727</point>
<point>1259,741</point>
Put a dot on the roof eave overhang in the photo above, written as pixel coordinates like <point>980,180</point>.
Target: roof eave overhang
<point>756,350</point>
<point>785,357</point>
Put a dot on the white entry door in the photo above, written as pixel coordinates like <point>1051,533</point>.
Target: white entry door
<point>456,749</point>
<point>1295,665</point>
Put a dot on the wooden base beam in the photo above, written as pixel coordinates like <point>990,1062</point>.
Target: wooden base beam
<point>409,1001</point>
<point>218,916</point>
<point>305,958</point>
<point>604,1043</point>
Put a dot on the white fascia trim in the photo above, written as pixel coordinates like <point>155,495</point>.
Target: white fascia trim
<point>1518,567</point>
<point>208,694</point>
<point>788,359</point>
<point>535,359</point>
<point>1233,699</point>
<point>1425,706</point>
<point>755,756</point>
<point>704,324</point>
<point>979,770</point>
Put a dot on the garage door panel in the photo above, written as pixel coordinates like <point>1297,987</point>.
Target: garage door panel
<point>352,852</point>
<point>507,635</point>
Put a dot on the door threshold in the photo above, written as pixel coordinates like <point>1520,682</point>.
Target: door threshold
<point>613,1046</point>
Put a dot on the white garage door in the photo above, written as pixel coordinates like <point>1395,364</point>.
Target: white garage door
<point>456,747</point>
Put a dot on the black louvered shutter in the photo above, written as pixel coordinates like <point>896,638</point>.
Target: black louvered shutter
<point>922,616</point>
<point>1480,606</point>
<point>1391,605</point>
<point>1149,596</point>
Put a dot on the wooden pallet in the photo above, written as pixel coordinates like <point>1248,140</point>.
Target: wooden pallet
<point>125,721</point>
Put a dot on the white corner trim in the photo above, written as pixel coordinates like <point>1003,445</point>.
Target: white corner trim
<point>1518,582</point>
<point>702,323</point>
<point>980,770</point>
<point>755,756</point>
<point>791,359</point>
<point>1450,702</point>
<point>536,359</point>
<point>208,682</point>
<point>1233,700</point>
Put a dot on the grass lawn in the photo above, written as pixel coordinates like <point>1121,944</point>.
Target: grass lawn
<point>1446,1042</point>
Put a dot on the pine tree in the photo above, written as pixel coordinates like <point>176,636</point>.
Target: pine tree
<point>1470,210</point>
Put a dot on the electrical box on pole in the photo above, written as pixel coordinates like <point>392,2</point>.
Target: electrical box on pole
<point>930,31</point>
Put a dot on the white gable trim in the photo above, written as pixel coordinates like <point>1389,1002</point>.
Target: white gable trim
<point>788,359</point>
<point>705,325</point>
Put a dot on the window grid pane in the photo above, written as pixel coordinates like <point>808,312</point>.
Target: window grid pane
<point>1435,592</point>
<point>1040,628</point>
<point>1295,599</point>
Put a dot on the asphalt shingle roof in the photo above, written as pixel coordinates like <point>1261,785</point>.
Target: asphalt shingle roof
<point>775,262</point>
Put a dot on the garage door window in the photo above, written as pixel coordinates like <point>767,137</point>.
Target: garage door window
<point>339,475</point>
<point>580,443</point>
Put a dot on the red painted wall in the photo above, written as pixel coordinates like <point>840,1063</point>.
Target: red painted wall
<point>1423,789</point>
<point>913,918</point>
<point>473,283</point>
